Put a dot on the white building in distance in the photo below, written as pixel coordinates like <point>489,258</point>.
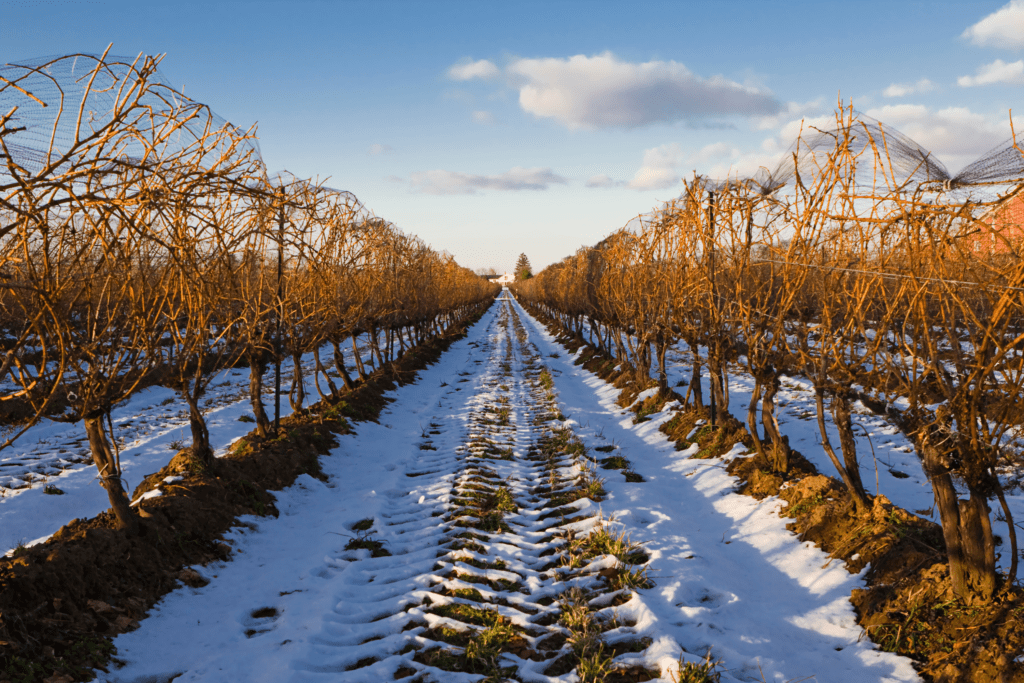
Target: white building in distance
<point>504,279</point>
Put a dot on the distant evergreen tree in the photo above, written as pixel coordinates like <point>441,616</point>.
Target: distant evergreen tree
<point>523,270</point>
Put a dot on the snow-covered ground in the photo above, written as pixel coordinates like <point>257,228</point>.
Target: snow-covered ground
<point>294,605</point>
<point>888,463</point>
<point>151,426</point>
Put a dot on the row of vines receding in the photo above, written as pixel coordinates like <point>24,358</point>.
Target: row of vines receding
<point>850,273</point>
<point>142,241</point>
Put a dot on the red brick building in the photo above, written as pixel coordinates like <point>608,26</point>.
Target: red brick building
<point>1002,226</point>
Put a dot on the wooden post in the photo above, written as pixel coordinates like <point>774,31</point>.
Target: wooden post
<point>711,267</point>
<point>280,312</point>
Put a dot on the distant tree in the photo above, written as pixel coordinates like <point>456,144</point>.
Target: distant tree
<point>523,271</point>
<point>487,273</point>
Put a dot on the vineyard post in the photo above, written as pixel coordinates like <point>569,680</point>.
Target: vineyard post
<point>711,266</point>
<point>280,312</point>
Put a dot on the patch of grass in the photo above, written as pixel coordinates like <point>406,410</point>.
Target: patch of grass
<point>546,380</point>
<point>250,491</point>
<point>607,448</point>
<point>616,462</point>
<point>246,417</point>
<point>367,542</point>
<point>501,500</point>
<point>363,524</point>
<point>806,505</point>
<point>697,672</point>
<point>52,490</point>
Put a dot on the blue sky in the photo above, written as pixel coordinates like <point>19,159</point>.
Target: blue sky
<point>490,129</point>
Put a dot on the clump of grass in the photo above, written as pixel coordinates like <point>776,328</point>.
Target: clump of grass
<point>697,672</point>
<point>367,542</point>
<point>633,477</point>
<point>52,490</point>
<point>546,380</point>
<point>616,462</point>
<point>246,417</point>
<point>600,541</point>
<point>501,500</point>
<point>363,524</point>
<point>607,448</point>
<point>588,485</point>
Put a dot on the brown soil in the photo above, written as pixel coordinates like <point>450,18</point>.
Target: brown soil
<point>908,605</point>
<point>63,600</point>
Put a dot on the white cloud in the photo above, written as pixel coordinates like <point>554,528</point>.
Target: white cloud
<point>1003,28</point>
<point>603,181</point>
<point>602,91</point>
<point>904,89</point>
<point>468,70</point>
<point>996,72</point>
<point>956,135</point>
<point>483,117</point>
<point>791,110</point>
<point>378,149</point>
<point>453,182</point>
<point>658,170</point>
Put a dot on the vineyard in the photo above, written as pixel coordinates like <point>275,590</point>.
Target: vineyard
<point>771,430</point>
<point>146,244</point>
<point>860,266</point>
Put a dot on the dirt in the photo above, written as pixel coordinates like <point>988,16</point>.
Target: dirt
<point>62,601</point>
<point>907,606</point>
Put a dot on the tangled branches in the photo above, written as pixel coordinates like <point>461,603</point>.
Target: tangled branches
<point>892,285</point>
<point>142,241</point>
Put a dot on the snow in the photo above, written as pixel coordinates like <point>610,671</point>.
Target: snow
<point>294,605</point>
<point>153,424</point>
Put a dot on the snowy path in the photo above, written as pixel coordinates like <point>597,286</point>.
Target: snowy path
<point>295,605</point>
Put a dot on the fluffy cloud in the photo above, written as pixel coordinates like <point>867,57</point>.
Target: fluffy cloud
<point>453,182</point>
<point>468,70</point>
<point>904,89</point>
<point>956,135</point>
<point>663,166</point>
<point>1003,28</point>
<point>996,72</point>
<point>603,92</point>
<point>658,170</point>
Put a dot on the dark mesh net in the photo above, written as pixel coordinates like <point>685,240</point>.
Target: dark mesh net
<point>58,102</point>
<point>903,163</point>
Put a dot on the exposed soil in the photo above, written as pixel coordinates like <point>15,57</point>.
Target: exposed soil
<point>62,601</point>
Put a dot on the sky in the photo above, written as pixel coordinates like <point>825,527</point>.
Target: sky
<point>492,129</point>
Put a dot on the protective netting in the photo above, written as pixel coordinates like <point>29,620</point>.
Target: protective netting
<point>885,155</point>
<point>56,104</point>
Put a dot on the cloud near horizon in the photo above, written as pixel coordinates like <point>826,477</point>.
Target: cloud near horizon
<point>1003,28</point>
<point>442,182</point>
<point>998,71</point>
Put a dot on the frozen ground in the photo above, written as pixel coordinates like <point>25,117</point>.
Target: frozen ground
<point>151,426</point>
<point>888,463</point>
<point>294,605</point>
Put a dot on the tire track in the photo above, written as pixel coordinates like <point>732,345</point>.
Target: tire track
<point>503,568</point>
